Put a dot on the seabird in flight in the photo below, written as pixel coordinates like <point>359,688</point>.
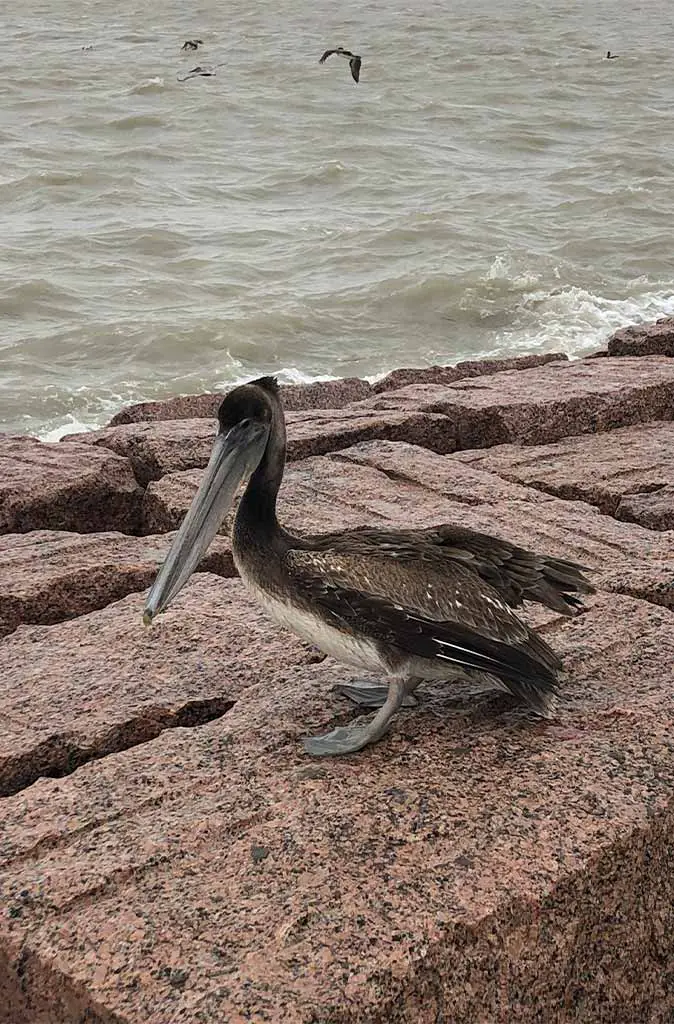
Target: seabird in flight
<point>353,58</point>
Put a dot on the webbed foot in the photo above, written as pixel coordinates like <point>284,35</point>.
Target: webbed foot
<point>370,695</point>
<point>346,739</point>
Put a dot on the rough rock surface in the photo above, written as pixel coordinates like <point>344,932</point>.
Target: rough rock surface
<point>474,865</point>
<point>324,394</point>
<point>470,368</point>
<point>58,487</point>
<point>169,855</point>
<point>170,446</point>
<point>622,472</point>
<point>545,403</point>
<point>644,339</point>
<point>75,691</point>
<point>654,510</point>
<point>376,482</point>
<point>48,575</point>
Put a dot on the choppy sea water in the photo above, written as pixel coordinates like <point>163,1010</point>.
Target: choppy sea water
<point>491,186</point>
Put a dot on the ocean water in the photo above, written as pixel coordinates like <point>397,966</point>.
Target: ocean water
<point>491,186</point>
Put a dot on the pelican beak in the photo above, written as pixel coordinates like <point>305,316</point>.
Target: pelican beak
<point>235,455</point>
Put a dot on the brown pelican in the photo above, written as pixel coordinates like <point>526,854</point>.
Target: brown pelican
<point>408,606</point>
<point>354,60</point>
<point>192,44</point>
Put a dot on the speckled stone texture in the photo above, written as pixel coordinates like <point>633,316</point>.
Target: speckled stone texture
<point>325,394</point>
<point>622,472</point>
<point>169,855</point>
<point>359,486</point>
<point>48,575</point>
<point>470,368</point>
<point>545,403</point>
<point>476,865</point>
<point>170,446</point>
<point>644,339</point>
<point>104,682</point>
<point>51,486</point>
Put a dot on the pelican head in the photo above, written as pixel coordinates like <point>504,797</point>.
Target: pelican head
<point>245,420</point>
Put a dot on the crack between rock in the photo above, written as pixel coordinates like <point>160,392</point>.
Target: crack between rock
<point>398,477</point>
<point>61,755</point>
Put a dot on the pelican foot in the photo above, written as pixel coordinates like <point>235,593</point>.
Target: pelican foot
<point>370,695</point>
<point>345,739</point>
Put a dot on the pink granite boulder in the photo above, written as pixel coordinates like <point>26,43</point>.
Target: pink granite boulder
<point>65,487</point>
<point>644,339</point>
<point>47,576</point>
<point>544,403</point>
<point>385,483</point>
<point>323,394</point>
<point>470,368</point>
<point>170,446</point>
<point>475,865</point>
<point>627,472</point>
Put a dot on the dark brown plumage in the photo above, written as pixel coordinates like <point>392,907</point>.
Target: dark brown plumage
<point>408,605</point>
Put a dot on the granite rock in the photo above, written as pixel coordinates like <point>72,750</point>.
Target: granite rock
<point>644,339</point>
<point>470,368</point>
<point>58,487</point>
<point>627,472</point>
<point>386,483</point>
<point>473,865</point>
<point>324,394</point>
<point>544,403</point>
<point>47,575</point>
<point>77,690</point>
<point>170,446</point>
<point>653,509</point>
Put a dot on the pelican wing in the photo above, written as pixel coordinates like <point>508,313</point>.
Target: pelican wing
<point>450,615</point>
<point>328,53</point>
<point>516,573</point>
<point>355,64</point>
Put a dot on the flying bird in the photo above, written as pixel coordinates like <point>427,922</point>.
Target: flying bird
<point>353,58</point>
<point>200,72</point>
<point>405,605</point>
<point>192,44</point>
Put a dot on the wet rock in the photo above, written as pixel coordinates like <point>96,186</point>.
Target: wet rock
<point>47,576</point>
<point>494,838</point>
<point>59,487</point>
<point>155,449</point>
<point>545,403</point>
<point>470,368</point>
<point>324,394</point>
<point>628,472</point>
<point>644,339</point>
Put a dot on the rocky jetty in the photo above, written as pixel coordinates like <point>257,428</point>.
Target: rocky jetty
<point>170,856</point>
